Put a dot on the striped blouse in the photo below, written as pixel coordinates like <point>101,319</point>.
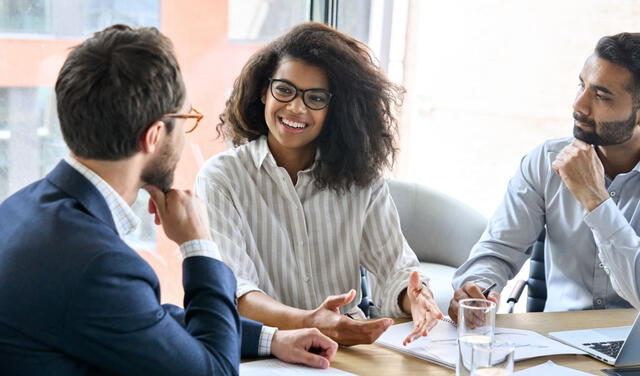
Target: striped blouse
<point>300,244</point>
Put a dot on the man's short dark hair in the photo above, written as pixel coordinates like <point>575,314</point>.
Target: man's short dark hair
<point>113,86</point>
<point>624,50</point>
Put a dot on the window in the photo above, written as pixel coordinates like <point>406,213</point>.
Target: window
<point>354,18</point>
<point>381,25</point>
<point>31,145</point>
<point>260,21</point>
<point>25,16</point>
<point>99,14</point>
<point>4,168</point>
<point>24,111</point>
<point>74,18</point>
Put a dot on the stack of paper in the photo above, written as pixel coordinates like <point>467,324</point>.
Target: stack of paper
<point>275,367</point>
<point>440,346</point>
<point>550,369</point>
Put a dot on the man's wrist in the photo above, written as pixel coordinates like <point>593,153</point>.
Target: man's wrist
<point>592,203</point>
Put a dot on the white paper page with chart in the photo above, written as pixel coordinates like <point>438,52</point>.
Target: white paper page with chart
<point>440,346</point>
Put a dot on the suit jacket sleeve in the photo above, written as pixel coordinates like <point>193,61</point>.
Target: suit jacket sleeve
<point>115,323</point>
<point>250,337</point>
<point>251,331</point>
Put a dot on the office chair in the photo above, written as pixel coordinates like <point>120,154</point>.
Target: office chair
<point>441,231</point>
<point>366,304</point>
<point>536,283</point>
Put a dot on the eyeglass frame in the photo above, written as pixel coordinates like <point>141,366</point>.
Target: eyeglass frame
<point>302,92</point>
<point>198,116</point>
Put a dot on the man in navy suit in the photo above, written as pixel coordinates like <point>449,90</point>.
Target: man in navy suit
<point>75,299</point>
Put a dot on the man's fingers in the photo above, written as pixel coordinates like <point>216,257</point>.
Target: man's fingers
<point>494,297</point>
<point>453,308</point>
<point>310,359</point>
<point>323,346</point>
<point>157,196</point>
<point>473,290</point>
<point>154,211</point>
<point>580,144</point>
<point>468,290</point>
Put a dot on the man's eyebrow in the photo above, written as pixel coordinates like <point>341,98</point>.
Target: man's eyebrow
<point>598,87</point>
<point>602,89</point>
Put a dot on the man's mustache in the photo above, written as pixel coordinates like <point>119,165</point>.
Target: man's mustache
<point>584,119</point>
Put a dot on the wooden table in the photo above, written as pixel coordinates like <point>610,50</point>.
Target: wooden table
<point>377,360</point>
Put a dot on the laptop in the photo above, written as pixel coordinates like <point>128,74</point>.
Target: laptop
<point>618,346</point>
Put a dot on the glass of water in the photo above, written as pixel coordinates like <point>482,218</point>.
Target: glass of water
<point>494,360</point>
<point>476,326</point>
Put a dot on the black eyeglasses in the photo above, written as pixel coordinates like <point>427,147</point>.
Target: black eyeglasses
<point>284,91</point>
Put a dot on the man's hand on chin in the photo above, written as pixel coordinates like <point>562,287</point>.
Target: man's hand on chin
<point>582,172</point>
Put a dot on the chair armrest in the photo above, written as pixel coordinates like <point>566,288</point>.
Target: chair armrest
<point>515,294</point>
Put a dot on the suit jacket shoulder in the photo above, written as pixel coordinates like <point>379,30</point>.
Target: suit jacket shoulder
<point>75,299</point>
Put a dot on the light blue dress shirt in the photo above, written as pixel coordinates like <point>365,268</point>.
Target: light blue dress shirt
<point>592,260</point>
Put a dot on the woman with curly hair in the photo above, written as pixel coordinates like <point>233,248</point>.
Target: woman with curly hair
<point>300,202</point>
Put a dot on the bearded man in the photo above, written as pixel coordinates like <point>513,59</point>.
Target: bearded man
<point>583,190</point>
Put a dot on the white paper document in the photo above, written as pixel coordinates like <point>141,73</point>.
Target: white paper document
<point>277,367</point>
<point>550,369</point>
<point>440,346</point>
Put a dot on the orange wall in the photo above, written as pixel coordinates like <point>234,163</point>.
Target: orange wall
<point>198,29</point>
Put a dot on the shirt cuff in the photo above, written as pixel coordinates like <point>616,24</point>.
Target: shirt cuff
<point>605,220</point>
<point>200,247</point>
<point>266,336</point>
<point>480,281</point>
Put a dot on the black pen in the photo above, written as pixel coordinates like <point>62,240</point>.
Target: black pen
<point>486,291</point>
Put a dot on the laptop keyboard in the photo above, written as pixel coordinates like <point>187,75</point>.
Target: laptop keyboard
<point>610,348</point>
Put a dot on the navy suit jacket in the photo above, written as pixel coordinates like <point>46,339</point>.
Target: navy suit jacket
<point>76,300</point>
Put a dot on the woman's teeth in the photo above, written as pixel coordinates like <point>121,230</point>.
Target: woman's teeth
<point>293,124</point>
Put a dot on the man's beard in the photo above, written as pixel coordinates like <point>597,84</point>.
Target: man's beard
<point>159,171</point>
<point>610,133</point>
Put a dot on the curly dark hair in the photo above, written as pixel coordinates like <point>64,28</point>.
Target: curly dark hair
<point>624,50</point>
<point>358,139</point>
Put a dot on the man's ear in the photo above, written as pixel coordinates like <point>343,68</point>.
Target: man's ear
<point>150,139</point>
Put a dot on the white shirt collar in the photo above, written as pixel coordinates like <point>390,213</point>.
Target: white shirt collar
<point>260,152</point>
<point>123,216</point>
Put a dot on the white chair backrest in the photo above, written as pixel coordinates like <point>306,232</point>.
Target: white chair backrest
<point>439,228</point>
